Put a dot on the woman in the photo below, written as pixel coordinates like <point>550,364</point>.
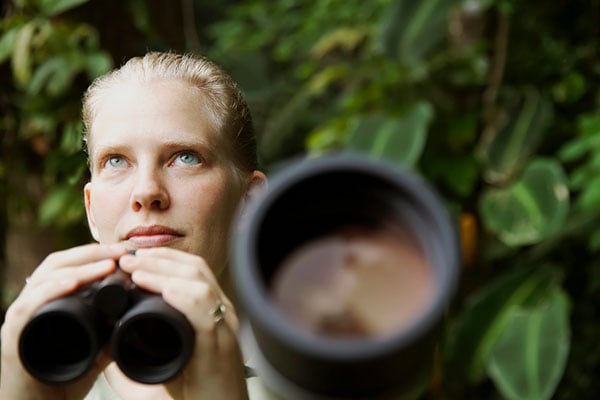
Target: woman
<point>172,154</point>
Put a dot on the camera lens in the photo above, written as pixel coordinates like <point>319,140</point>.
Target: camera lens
<point>355,283</point>
<point>344,268</point>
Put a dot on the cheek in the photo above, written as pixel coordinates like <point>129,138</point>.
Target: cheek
<point>106,204</point>
<point>215,206</point>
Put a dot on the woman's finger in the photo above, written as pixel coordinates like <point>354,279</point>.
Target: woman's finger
<point>41,291</point>
<point>77,256</point>
<point>82,274</point>
<point>21,309</point>
<point>198,300</point>
<point>168,261</point>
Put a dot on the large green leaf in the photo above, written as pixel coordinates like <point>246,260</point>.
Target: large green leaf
<point>583,152</point>
<point>62,79</point>
<point>327,137</point>
<point>7,43</point>
<point>21,57</point>
<point>62,206</point>
<point>399,139</point>
<point>529,358</point>
<point>54,7</point>
<point>532,208</point>
<point>97,63</point>
<point>71,142</point>
<point>281,128</point>
<point>475,332</point>
<point>45,73</point>
<point>507,150</point>
<point>412,29</point>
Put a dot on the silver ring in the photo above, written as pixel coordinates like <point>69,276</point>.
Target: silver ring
<point>218,313</point>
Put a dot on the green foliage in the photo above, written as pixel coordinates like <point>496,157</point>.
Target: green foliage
<point>414,29</point>
<point>586,148</point>
<point>475,333</point>
<point>528,359</point>
<point>509,148</point>
<point>399,139</point>
<point>530,209</point>
<point>583,152</point>
<point>52,60</point>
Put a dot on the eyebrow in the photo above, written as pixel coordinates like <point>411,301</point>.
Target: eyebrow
<point>177,144</point>
<point>170,144</point>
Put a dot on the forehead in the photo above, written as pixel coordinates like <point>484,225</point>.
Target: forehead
<point>140,111</point>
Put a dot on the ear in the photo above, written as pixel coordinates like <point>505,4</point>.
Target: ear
<point>255,183</point>
<point>88,211</point>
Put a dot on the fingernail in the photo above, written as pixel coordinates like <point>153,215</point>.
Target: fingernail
<point>125,261</point>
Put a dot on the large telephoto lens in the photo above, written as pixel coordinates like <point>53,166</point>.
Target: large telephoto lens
<point>344,269</point>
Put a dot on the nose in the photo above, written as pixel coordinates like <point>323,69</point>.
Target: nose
<point>149,192</point>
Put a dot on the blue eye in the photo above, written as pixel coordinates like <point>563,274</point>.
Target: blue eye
<point>115,162</point>
<point>187,158</point>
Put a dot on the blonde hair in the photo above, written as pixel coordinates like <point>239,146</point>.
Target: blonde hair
<point>224,99</point>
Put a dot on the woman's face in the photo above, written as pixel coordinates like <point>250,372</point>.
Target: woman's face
<point>161,175</point>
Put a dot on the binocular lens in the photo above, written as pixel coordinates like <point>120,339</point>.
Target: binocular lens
<point>60,347</point>
<point>149,354</point>
<point>152,343</point>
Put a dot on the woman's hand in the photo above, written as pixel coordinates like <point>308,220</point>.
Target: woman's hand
<point>216,369</point>
<point>58,275</point>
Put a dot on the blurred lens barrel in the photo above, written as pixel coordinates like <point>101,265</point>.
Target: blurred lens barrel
<point>347,202</point>
<point>151,341</point>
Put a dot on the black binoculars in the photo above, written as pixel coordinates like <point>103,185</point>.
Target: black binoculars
<point>150,341</point>
<point>343,269</point>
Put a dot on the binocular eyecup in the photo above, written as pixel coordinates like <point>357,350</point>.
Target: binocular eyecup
<point>150,341</point>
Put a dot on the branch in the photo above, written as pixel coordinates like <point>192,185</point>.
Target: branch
<point>190,32</point>
<point>498,65</point>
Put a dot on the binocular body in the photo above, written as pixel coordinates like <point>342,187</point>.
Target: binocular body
<point>150,341</point>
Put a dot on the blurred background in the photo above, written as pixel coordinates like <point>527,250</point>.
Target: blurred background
<point>495,102</point>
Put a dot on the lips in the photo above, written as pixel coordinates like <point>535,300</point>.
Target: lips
<point>152,236</point>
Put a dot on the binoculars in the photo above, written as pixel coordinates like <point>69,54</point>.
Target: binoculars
<point>343,269</point>
<point>150,341</point>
